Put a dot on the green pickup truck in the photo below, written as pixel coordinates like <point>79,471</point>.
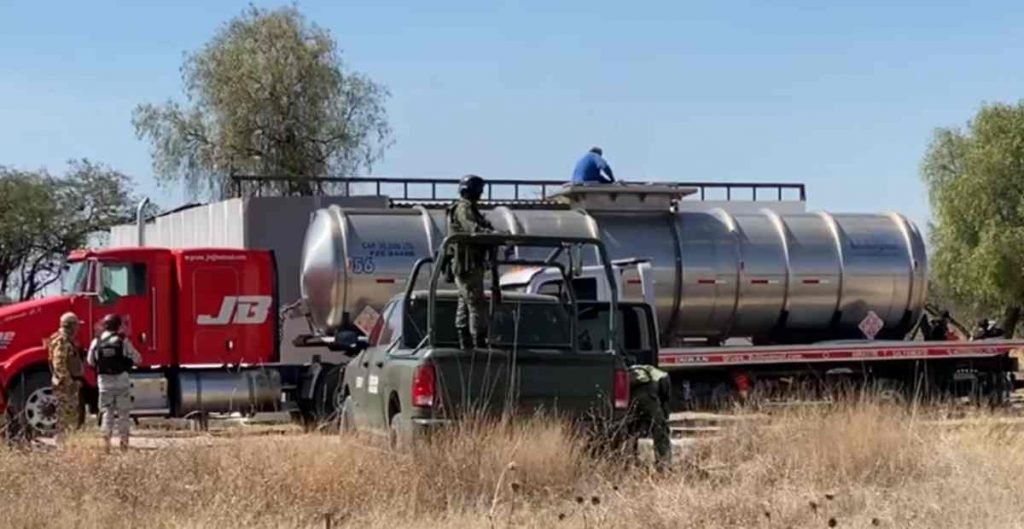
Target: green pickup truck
<point>546,354</point>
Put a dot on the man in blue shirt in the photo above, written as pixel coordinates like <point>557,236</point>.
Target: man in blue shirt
<point>592,169</point>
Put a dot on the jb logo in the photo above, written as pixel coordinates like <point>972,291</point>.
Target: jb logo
<point>244,310</point>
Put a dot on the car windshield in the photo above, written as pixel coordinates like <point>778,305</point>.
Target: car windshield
<point>528,324</point>
<point>75,277</point>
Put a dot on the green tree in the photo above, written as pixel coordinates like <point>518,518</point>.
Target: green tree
<point>43,217</point>
<point>268,95</point>
<point>975,179</point>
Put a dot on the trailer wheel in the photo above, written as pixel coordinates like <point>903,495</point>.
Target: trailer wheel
<point>724,396</point>
<point>1000,389</point>
<point>889,391</point>
<point>33,404</point>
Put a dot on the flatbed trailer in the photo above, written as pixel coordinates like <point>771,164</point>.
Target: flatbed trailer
<point>684,358</point>
<point>983,370</point>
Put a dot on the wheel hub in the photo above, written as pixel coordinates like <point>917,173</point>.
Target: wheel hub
<point>41,410</point>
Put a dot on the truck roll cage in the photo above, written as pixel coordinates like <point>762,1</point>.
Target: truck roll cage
<point>496,241</point>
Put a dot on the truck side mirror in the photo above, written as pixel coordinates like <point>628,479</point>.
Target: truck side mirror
<point>351,342</point>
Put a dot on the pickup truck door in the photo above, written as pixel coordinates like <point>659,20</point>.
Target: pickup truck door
<point>356,372</point>
<point>377,391</point>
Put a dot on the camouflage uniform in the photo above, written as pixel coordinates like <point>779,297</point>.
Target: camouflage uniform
<point>650,390</point>
<point>467,267</point>
<point>66,369</point>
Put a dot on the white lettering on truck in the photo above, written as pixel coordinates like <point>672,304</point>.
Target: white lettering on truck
<point>244,310</point>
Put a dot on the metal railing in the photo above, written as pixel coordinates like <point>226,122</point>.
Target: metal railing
<point>497,189</point>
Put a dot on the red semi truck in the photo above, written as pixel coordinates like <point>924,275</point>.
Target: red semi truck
<point>205,321</point>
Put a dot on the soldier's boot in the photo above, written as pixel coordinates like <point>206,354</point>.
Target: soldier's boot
<point>480,340</point>
<point>465,339</point>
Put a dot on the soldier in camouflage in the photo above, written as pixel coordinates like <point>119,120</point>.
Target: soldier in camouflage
<point>467,263</point>
<point>66,374</point>
<point>650,391</point>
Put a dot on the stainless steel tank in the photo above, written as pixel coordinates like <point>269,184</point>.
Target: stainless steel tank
<point>718,274</point>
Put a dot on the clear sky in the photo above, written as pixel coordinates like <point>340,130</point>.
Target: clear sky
<point>840,96</point>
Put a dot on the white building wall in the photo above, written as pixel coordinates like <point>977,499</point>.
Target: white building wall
<point>220,224</point>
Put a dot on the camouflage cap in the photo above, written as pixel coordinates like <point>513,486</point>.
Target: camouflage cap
<point>68,318</point>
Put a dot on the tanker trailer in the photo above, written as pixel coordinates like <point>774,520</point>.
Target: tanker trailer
<point>770,276</point>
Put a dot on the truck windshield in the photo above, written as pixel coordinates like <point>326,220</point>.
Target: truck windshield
<point>528,324</point>
<point>75,277</point>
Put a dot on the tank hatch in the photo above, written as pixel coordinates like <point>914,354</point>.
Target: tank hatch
<point>621,196</point>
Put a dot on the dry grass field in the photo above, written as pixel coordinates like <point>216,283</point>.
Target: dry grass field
<point>860,465</point>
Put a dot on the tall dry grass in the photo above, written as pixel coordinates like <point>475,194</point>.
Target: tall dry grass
<point>861,465</point>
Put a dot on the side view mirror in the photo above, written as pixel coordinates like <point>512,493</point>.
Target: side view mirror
<point>351,342</point>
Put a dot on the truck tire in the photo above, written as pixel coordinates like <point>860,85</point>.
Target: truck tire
<point>890,391</point>
<point>347,421</point>
<point>32,403</point>
<point>322,412</point>
<point>724,397</point>
<point>399,433</point>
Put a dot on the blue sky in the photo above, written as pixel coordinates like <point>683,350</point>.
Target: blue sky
<point>840,96</point>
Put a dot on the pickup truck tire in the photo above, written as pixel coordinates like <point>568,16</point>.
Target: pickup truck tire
<point>32,402</point>
<point>346,422</point>
<point>399,433</point>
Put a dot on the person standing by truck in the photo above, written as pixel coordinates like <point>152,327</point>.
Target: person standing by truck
<point>65,374</point>
<point>650,391</point>
<point>466,263</point>
<point>113,356</point>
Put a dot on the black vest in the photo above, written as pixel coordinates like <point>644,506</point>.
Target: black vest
<point>111,358</point>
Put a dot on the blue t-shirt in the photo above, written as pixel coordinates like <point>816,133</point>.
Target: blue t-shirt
<point>589,169</point>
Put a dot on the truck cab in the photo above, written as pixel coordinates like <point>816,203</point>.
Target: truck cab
<point>180,308</point>
<point>96,283</point>
<point>633,281</point>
